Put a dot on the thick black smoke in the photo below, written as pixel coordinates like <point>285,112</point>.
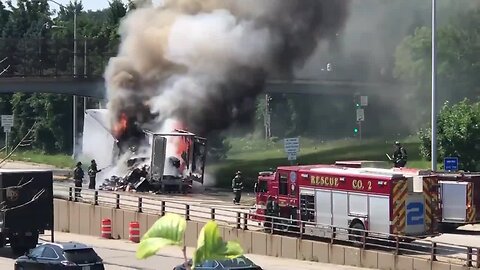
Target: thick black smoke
<point>203,62</point>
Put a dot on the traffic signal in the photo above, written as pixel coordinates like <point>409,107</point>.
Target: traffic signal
<point>355,130</point>
<point>269,103</point>
<point>356,100</point>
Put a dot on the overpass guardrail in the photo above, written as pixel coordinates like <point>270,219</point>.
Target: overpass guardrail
<point>239,219</point>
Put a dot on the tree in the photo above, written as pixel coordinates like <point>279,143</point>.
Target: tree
<point>217,146</point>
<point>32,45</point>
<point>458,135</point>
<point>458,58</point>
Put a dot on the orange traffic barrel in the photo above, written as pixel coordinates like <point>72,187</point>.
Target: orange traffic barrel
<point>134,232</point>
<point>106,228</point>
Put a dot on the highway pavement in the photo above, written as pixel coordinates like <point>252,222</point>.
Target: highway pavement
<point>120,255</point>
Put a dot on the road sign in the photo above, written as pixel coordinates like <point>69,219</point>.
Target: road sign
<point>7,120</point>
<point>450,163</point>
<point>364,101</point>
<point>7,129</point>
<point>360,115</point>
<point>292,145</point>
<point>292,156</point>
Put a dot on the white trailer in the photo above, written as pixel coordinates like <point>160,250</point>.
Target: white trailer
<point>101,145</point>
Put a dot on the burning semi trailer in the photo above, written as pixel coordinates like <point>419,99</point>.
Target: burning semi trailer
<point>135,159</point>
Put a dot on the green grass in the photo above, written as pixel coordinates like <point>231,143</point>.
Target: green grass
<point>252,156</point>
<point>57,160</point>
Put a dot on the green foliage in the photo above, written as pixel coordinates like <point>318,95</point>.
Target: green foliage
<point>166,231</point>
<point>458,135</point>
<point>218,147</point>
<point>210,245</point>
<point>169,230</point>
<point>253,156</point>
<point>51,112</point>
<point>457,52</point>
<point>30,23</point>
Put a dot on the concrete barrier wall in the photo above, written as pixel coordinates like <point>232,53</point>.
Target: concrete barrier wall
<point>81,218</point>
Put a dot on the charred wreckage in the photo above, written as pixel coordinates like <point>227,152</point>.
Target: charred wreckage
<point>139,160</point>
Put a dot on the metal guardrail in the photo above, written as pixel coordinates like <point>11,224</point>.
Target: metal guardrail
<point>239,219</point>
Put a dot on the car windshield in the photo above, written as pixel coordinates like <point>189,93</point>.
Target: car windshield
<point>81,256</point>
<point>237,262</point>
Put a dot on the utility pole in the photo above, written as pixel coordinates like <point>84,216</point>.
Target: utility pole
<point>74,151</point>
<point>434,85</point>
<point>85,71</point>
<point>74,154</point>
<point>267,117</point>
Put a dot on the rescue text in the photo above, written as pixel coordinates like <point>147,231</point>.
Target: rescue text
<point>324,181</point>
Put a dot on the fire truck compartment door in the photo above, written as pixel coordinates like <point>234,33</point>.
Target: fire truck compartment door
<point>323,206</point>
<point>159,146</point>
<point>199,158</point>
<point>454,201</point>
<point>415,214</point>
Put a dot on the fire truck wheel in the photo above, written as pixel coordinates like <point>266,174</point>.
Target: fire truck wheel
<point>355,235</point>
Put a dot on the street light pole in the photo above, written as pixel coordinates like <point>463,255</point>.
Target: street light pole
<point>75,76</point>
<point>434,85</point>
<point>85,70</point>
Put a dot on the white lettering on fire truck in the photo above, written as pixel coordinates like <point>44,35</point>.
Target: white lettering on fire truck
<point>324,181</point>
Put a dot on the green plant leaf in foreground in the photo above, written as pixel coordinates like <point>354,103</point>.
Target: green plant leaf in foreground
<point>210,246</point>
<point>167,231</point>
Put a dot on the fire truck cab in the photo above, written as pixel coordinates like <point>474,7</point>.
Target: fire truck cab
<point>377,200</point>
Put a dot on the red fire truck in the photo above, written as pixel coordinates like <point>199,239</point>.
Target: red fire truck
<point>377,200</point>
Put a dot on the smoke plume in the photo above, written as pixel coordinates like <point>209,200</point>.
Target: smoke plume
<point>203,62</point>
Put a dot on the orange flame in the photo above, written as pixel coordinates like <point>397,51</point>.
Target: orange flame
<point>120,127</point>
<point>181,145</point>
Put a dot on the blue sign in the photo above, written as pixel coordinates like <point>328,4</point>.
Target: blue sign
<point>415,213</point>
<point>450,164</point>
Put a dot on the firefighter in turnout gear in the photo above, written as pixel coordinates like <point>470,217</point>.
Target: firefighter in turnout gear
<point>92,174</point>
<point>399,156</point>
<point>237,186</point>
<point>78,175</point>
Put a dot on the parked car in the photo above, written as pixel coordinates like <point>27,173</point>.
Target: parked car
<point>239,263</point>
<point>55,256</point>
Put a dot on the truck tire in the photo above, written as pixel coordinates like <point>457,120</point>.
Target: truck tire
<point>19,250</point>
<point>21,244</point>
<point>357,236</point>
<point>2,240</point>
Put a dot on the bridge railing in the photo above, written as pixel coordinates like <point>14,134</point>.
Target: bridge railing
<point>40,57</point>
<point>242,219</point>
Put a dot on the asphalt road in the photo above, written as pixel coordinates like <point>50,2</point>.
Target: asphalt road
<point>120,255</point>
